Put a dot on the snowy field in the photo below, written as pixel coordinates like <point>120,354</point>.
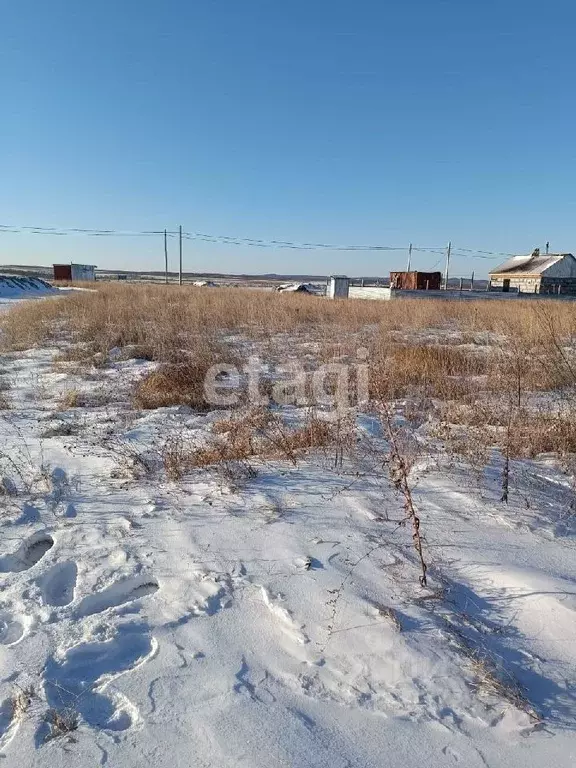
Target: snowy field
<point>168,600</point>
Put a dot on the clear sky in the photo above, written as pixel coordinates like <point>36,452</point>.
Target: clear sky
<point>332,121</point>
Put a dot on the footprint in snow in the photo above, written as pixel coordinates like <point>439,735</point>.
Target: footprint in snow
<point>11,629</point>
<point>80,681</point>
<point>59,583</point>
<point>449,752</point>
<point>8,723</point>
<point>307,563</point>
<point>28,554</point>
<point>29,515</point>
<point>124,591</point>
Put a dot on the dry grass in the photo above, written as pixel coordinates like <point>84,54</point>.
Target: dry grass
<point>72,398</point>
<point>490,677</point>
<point>61,723</point>
<point>174,384</point>
<point>472,431</point>
<point>162,320</point>
<point>387,612</point>
<point>456,361</point>
<point>256,433</point>
<point>437,361</point>
<point>428,370</point>
<point>488,681</point>
<point>532,434</point>
<point>22,700</point>
<point>5,386</point>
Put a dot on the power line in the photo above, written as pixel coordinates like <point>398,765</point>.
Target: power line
<point>223,239</point>
<point>490,253</point>
<point>435,264</point>
<point>244,241</point>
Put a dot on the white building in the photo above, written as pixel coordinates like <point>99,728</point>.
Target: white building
<point>547,273</point>
<point>338,287</point>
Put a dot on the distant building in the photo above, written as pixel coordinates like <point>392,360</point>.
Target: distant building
<point>296,288</point>
<point>75,273</point>
<point>415,281</point>
<point>536,273</point>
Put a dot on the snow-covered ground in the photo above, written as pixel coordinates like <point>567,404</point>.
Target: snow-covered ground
<point>14,288</point>
<point>271,618</point>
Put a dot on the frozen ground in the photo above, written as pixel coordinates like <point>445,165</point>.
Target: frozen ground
<point>273,620</point>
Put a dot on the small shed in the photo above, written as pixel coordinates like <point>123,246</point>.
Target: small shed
<point>338,287</point>
<point>415,281</point>
<point>75,273</point>
<point>536,273</point>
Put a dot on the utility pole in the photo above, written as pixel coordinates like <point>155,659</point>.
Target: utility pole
<point>409,257</point>
<point>446,271</point>
<point>180,248</point>
<point>472,281</point>
<point>166,256</point>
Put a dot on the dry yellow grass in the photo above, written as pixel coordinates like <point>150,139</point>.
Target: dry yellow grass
<point>71,399</point>
<point>164,319</point>
<point>176,384</point>
<point>427,370</point>
<point>246,435</point>
<point>449,353</point>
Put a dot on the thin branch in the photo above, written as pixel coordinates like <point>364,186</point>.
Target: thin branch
<point>399,471</point>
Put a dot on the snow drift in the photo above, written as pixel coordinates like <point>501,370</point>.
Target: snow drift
<point>298,288</point>
<point>16,287</point>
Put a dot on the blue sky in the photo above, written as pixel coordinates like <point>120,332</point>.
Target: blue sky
<point>311,120</point>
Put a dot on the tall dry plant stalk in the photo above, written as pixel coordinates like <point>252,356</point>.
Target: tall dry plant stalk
<point>506,467</point>
<point>399,467</point>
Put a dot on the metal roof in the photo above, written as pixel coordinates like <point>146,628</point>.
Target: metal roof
<point>75,264</point>
<point>531,264</point>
